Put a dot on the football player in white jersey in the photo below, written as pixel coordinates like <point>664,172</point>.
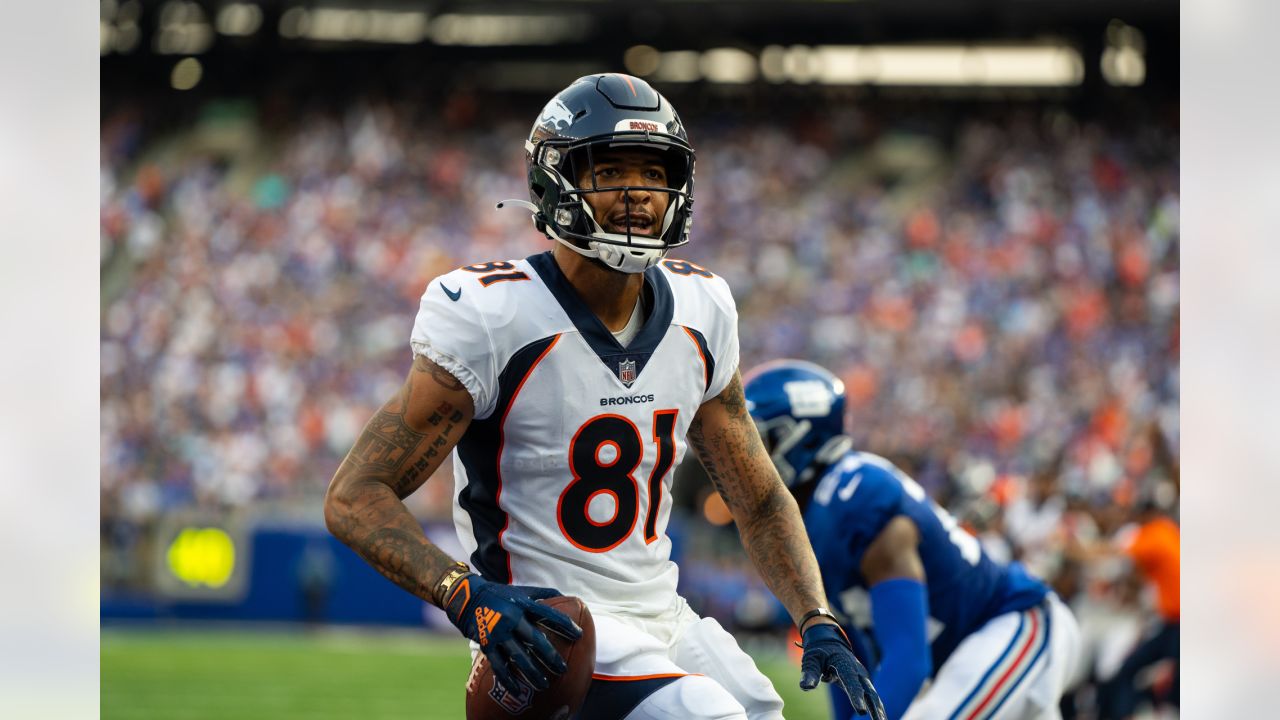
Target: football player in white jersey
<point>568,383</point>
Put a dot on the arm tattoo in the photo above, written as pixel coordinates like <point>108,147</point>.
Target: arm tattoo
<point>399,448</point>
<point>388,443</point>
<point>727,443</point>
<point>375,523</point>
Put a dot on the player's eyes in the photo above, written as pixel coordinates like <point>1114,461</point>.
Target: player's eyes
<point>654,174</point>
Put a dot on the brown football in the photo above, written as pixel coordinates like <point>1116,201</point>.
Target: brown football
<point>489,700</point>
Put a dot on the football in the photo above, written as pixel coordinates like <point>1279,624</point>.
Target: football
<point>489,700</point>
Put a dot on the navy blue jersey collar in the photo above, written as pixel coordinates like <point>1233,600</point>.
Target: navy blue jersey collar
<point>602,342</point>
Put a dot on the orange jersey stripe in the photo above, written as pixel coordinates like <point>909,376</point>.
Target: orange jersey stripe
<point>697,346</point>
<point>502,440</point>
<point>635,678</point>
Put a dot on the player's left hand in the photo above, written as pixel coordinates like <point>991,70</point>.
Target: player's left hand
<point>829,657</point>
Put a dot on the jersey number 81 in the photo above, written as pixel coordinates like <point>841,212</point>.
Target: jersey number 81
<point>594,475</point>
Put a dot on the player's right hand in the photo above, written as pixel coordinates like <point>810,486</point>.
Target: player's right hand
<point>501,619</point>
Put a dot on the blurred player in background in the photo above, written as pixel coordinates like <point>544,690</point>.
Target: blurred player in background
<point>1153,546</point>
<point>567,382</point>
<point>996,641</point>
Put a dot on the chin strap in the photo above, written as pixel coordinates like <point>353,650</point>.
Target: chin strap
<point>584,252</point>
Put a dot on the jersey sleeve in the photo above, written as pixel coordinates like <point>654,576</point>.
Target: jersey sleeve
<point>453,334</point>
<point>723,339</point>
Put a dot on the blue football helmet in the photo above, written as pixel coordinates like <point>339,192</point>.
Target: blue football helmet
<point>799,409</point>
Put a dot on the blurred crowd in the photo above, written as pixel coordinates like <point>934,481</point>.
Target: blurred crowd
<point>998,292</point>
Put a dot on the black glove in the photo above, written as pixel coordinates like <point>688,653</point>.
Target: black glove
<point>501,618</point>
<point>828,657</point>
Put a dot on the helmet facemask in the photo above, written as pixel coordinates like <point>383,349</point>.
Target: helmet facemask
<point>781,435</point>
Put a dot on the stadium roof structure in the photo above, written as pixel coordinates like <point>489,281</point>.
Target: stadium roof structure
<point>534,45</point>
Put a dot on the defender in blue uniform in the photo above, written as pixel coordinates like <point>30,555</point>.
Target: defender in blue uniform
<point>920,598</point>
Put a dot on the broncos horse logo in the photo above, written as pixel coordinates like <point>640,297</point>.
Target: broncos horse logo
<point>555,115</point>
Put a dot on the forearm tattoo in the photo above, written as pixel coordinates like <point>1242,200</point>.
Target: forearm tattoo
<point>371,520</point>
<point>768,518</point>
<point>396,452</point>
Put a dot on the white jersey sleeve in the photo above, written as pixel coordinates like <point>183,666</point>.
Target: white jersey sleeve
<point>722,337</point>
<point>451,331</point>
<point>705,308</point>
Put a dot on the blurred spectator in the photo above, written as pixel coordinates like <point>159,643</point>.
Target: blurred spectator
<point>1154,547</point>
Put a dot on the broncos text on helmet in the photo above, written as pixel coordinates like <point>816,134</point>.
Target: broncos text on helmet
<point>595,113</point>
<point>799,408</point>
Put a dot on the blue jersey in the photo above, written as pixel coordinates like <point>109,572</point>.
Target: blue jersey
<point>854,502</point>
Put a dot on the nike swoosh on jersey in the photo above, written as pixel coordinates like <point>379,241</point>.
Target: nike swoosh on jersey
<point>453,295</point>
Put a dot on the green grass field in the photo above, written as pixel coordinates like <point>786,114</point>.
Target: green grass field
<point>284,675</point>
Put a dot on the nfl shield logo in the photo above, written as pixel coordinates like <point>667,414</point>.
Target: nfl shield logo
<point>514,702</point>
<point>627,371</point>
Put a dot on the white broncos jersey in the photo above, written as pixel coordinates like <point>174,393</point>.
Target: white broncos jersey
<point>563,479</point>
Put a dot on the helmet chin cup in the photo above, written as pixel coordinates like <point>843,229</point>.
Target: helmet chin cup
<point>627,259</point>
<point>616,257</point>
